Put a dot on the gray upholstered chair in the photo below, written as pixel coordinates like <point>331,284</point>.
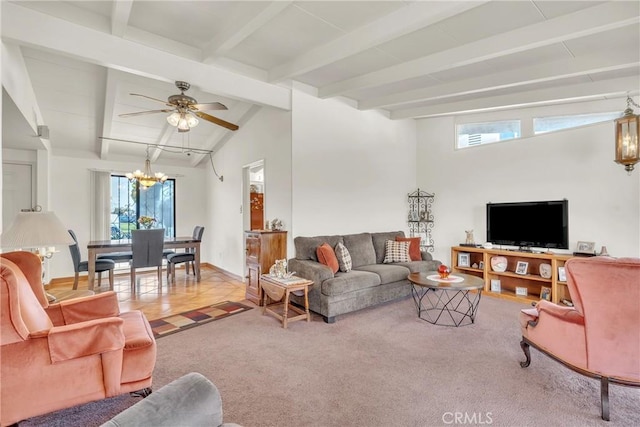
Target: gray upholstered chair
<point>191,400</point>
<point>146,246</point>
<point>188,256</point>
<point>78,266</point>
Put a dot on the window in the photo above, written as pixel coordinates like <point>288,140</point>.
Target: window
<point>471,134</point>
<point>130,201</point>
<point>550,124</point>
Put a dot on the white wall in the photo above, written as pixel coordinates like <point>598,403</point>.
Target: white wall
<point>70,183</point>
<point>576,165</point>
<point>352,170</point>
<point>266,136</point>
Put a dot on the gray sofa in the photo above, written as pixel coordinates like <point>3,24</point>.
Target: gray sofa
<point>369,283</point>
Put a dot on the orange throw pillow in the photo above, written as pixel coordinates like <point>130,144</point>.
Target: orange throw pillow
<point>414,247</point>
<point>327,256</point>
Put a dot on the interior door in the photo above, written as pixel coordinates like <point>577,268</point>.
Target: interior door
<point>17,190</point>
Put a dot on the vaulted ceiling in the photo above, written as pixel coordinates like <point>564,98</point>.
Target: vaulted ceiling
<point>411,58</point>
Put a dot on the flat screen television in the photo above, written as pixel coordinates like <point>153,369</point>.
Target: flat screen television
<point>543,224</point>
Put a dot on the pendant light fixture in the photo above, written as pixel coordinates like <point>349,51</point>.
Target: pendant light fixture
<point>627,137</point>
<point>147,178</point>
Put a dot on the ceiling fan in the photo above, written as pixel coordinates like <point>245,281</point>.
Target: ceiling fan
<point>184,110</point>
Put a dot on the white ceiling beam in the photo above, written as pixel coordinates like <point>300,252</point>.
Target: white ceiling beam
<point>525,99</point>
<point>107,113</point>
<point>593,20</point>
<point>238,116</point>
<point>537,73</point>
<point>16,81</point>
<point>403,21</point>
<point>145,38</point>
<point>223,43</point>
<point>120,12</point>
<point>167,133</point>
<point>114,52</point>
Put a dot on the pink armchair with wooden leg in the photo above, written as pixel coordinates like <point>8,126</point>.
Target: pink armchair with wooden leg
<point>61,355</point>
<point>600,335</point>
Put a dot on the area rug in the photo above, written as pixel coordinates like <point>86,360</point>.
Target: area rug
<point>189,319</point>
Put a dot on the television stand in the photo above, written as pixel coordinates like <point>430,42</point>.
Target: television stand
<point>508,284</point>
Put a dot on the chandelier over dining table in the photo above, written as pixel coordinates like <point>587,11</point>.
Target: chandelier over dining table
<point>147,178</point>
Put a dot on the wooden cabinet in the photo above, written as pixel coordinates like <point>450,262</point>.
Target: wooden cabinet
<point>263,248</point>
<point>513,281</point>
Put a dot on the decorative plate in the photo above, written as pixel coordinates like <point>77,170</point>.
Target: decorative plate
<point>499,263</point>
<point>450,279</point>
<point>545,271</point>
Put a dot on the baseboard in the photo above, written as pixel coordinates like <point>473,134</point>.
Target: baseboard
<point>222,270</point>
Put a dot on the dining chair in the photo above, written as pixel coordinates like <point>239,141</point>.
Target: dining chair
<point>146,247</point>
<point>188,256</point>
<point>79,266</point>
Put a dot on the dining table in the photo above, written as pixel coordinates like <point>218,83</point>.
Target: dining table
<point>96,247</point>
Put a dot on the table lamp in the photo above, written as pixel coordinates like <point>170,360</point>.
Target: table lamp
<point>38,231</point>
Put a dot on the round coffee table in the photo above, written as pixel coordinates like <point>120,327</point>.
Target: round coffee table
<point>449,302</point>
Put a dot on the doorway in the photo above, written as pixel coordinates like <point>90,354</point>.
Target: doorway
<point>17,190</point>
<point>254,196</point>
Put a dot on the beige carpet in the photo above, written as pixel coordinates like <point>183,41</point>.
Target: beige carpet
<point>377,367</point>
<point>384,367</point>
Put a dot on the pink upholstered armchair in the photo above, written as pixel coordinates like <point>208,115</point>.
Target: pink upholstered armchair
<point>600,335</point>
<point>60,355</point>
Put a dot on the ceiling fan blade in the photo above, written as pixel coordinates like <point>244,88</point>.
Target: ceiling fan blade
<point>216,120</point>
<point>154,99</point>
<point>140,113</point>
<point>208,106</point>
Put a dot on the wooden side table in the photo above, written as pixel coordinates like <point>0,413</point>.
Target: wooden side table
<point>278,291</point>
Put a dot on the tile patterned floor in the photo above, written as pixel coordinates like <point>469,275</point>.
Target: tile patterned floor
<point>186,294</point>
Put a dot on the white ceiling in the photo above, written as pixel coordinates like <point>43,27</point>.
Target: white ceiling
<point>411,58</point>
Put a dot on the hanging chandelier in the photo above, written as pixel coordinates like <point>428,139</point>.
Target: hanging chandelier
<point>183,120</point>
<point>627,136</point>
<point>147,178</point>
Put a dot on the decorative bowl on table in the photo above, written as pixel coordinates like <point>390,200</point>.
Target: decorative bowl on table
<point>444,271</point>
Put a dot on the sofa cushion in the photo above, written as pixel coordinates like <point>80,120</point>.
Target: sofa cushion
<point>396,252</point>
<point>306,246</point>
<point>421,266</point>
<point>388,273</point>
<point>327,256</point>
<point>349,282</point>
<point>344,258</point>
<point>360,248</point>
<point>414,247</point>
<point>379,241</point>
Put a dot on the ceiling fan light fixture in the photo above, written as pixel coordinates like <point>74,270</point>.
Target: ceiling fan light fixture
<point>174,118</point>
<point>192,121</point>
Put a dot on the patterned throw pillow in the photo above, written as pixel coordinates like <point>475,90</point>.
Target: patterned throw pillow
<point>344,258</point>
<point>414,247</point>
<point>396,252</point>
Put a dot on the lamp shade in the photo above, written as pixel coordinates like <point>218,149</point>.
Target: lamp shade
<point>35,230</point>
